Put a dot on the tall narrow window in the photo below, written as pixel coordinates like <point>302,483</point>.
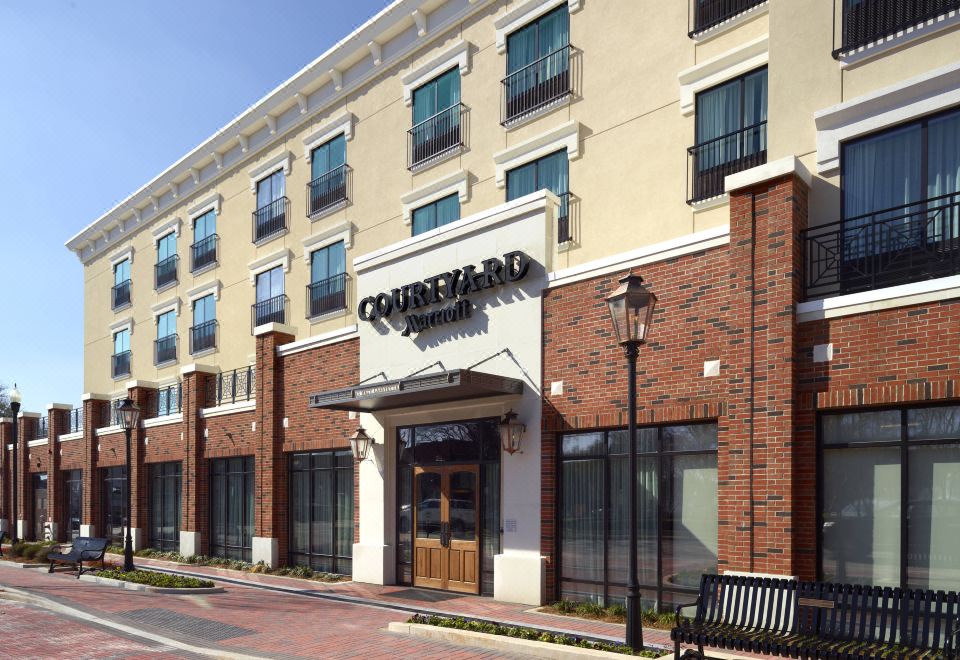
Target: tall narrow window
<point>327,289</point>
<point>73,502</point>
<point>165,272</point>
<point>538,65</point>
<point>271,302</point>
<point>121,284</point>
<point>121,354</point>
<point>203,333</point>
<point>165,348</point>
<point>328,175</point>
<point>231,507</point>
<point>549,172</point>
<point>270,218</point>
<point>114,503</point>
<point>436,214</point>
<point>165,506</point>
<point>321,510</point>
<point>436,118</point>
<point>203,252</point>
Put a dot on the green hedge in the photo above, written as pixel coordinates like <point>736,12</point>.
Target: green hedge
<point>304,572</point>
<point>36,551</point>
<point>613,613</point>
<point>154,579</point>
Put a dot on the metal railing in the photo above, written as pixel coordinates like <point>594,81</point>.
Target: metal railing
<point>866,21</point>
<point>271,219</point>
<point>120,294</point>
<point>908,243</point>
<point>328,190</point>
<point>111,413</point>
<point>75,421</point>
<point>203,337</point>
<point>165,401</point>
<point>165,272</point>
<point>231,386</point>
<point>705,14</point>
<point>271,310</point>
<point>165,349</point>
<point>435,136</point>
<point>120,364</point>
<point>709,163</point>
<point>327,295</point>
<point>536,85</point>
<point>41,430</point>
<point>564,231</point>
<point>204,252</point>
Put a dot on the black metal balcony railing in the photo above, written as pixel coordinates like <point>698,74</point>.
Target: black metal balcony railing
<point>231,386</point>
<point>908,243</point>
<point>110,414</point>
<point>203,337</point>
<point>166,401</point>
<point>41,431</point>
<point>328,190</point>
<point>75,421</point>
<point>536,86</point>
<point>120,294</point>
<point>705,14</point>
<point>165,349</point>
<point>204,252</point>
<point>270,220</point>
<point>120,365</point>
<point>271,310</point>
<point>327,295</point>
<point>165,272</point>
<point>711,162</point>
<point>436,136</point>
<point>564,232</point>
<point>866,21</point>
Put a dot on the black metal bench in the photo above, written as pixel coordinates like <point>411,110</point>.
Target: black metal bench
<point>818,620</point>
<point>82,549</point>
<point>3,537</point>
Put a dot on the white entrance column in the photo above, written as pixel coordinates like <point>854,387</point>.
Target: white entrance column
<point>374,558</point>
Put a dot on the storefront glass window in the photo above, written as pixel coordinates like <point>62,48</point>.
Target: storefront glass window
<point>321,510</point>
<point>114,503</point>
<point>231,507</point>
<point>165,506</point>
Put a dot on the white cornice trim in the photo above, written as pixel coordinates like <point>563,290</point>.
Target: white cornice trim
<point>325,339</point>
<point>457,54</point>
<point>188,369</point>
<point>59,406</point>
<point>524,13</point>
<point>344,123</point>
<point>915,293</point>
<point>29,415</point>
<point>911,98</point>
<point>205,289</point>
<point>268,328</point>
<point>107,430</point>
<point>204,204</point>
<point>229,409</point>
<point>173,224</point>
<point>93,396</point>
<point>341,231</point>
<point>67,437</point>
<point>121,255</point>
<point>566,135</point>
<point>176,418</point>
<point>126,323</point>
<point>730,64</point>
<point>283,160</point>
<point>281,257</point>
<point>458,182</point>
<point>767,172</point>
<point>37,443</point>
<point>145,384</point>
<point>171,304</point>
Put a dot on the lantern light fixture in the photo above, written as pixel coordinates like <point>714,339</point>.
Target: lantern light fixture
<point>511,433</point>
<point>631,310</point>
<point>129,414</point>
<point>360,443</point>
<point>15,396</point>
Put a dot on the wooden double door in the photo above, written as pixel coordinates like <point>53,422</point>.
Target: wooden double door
<point>446,540</point>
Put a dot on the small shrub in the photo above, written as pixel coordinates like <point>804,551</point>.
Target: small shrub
<point>155,579</point>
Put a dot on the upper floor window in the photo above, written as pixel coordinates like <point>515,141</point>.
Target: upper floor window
<point>121,354</point>
<point>270,218</point>
<point>866,21</point>
<point>709,13</point>
<point>327,289</point>
<point>731,133</point>
<point>203,251</point>
<point>436,214</point>
<point>538,65</point>
<point>271,305</point>
<point>203,332</point>
<point>436,118</point>
<point>165,347</point>
<point>328,175</point>
<point>550,172</point>
<point>165,272</point>
<point>121,284</point>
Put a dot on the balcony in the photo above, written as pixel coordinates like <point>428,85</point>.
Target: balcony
<point>165,401</point>
<point>436,136</point>
<point>271,310</point>
<point>270,220</point>
<point>203,253</point>
<point>120,295</point>
<point>328,191</point>
<point>909,243</point>
<point>866,21</point>
<point>536,86</point>
<point>165,272</point>
<point>41,429</point>
<point>325,296</point>
<point>564,231</point>
<point>711,162</point>
<point>120,364</point>
<point>203,337</point>
<point>231,386</point>
<point>75,421</point>
<point>705,14</point>
<point>165,350</point>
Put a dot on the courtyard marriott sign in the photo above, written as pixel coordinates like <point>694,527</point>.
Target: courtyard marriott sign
<point>453,286</point>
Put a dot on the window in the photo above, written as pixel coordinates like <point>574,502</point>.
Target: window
<point>203,333</point>
<point>73,503</point>
<point>708,13</point>
<point>328,175</point>
<point>121,284</point>
<point>114,503</point>
<point>204,248</point>
<point>271,303</point>
<point>538,64</point>
<point>676,513</point>
<point>165,348</point>
<point>327,289</point>
<point>436,214</point>
<point>270,218</point>
<point>436,118</point>
<point>121,353</point>
<point>549,172</point>
<point>321,510</point>
<point>165,506</point>
<point>231,507</point>
<point>731,133</point>
<point>865,21</point>
<point>890,485</point>
<point>166,268</point>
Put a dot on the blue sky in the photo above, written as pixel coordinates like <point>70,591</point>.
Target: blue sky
<point>96,98</point>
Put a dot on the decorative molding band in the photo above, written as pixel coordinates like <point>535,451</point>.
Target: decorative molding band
<point>881,395</point>
<point>107,430</point>
<point>122,255</point>
<point>325,339</point>
<point>59,406</point>
<point>768,172</point>
<point>164,228</point>
<point>524,13</point>
<point>229,409</point>
<point>341,231</point>
<point>29,415</point>
<point>281,257</point>
<point>172,304</point>
<point>723,67</point>
<point>125,323</point>
<point>903,295</point>
<point>38,443</point>
<point>680,412</point>
<point>342,124</point>
<point>204,204</point>
<point>458,182</point>
<point>164,420</point>
<point>566,135</point>
<point>456,55</point>
<point>206,289</point>
<point>280,161</point>
<point>67,437</point>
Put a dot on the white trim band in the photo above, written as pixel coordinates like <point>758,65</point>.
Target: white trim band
<point>325,339</point>
<point>280,161</point>
<point>342,124</point>
<point>456,55</point>
<point>915,293</point>
<point>458,182</point>
<point>566,135</point>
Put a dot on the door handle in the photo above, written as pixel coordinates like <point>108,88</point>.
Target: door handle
<point>445,534</point>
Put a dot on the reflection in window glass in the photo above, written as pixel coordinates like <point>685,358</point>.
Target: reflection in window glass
<point>942,422</point>
<point>861,427</point>
<point>933,554</point>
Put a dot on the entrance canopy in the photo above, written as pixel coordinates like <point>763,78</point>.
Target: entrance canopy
<point>417,391</point>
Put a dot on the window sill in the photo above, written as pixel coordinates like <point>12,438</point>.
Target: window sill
<point>271,237</point>
<point>449,154</point>
<point>328,316</point>
<point>706,34</point>
<point>204,269</point>
<point>533,115</point>
<point>167,363</point>
<point>122,376</point>
<point>122,307</point>
<point>206,351</point>
<point>710,202</point>
<point>168,285</point>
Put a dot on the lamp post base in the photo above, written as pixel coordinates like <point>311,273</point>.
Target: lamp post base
<point>634,637</point>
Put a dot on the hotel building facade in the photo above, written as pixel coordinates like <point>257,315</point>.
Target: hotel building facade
<point>416,234</point>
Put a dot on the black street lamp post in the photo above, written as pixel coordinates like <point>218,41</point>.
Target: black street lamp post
<point>129,415</point>
<point>631,309</point>
<point>15,399</point>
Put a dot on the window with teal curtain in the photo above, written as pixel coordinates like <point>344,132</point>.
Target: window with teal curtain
<point>204,310</point>
<point>536,40</point>
<point>166,247</point>
<point>204,226</point>
<point>328,157</point>
<point>729,120</point>
<point>328,262</point>
<point>270,189</point>
<point>121,272</point>
<point>439,94</point>
<point>121,342</point>
<point>550,172</point>
<point>436,214</point>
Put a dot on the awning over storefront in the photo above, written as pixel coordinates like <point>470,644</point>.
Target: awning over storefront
<point>417,391</point>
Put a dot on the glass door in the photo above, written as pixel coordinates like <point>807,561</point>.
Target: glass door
<point>39,506</point>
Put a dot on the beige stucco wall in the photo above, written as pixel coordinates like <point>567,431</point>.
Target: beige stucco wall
<point>630,177</point>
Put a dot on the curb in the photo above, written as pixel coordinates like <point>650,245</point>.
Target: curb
<point>134,586</point>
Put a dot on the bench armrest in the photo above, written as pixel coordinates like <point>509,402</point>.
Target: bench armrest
<point>59,548</point>
<point>680,609</point>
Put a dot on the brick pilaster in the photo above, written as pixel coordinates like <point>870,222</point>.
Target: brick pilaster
<point>58,423</point>
<point>138,478</point>
<point>6,456</point>
<point>26,428</point>
<point>93,412</point>
<point>194,498</point>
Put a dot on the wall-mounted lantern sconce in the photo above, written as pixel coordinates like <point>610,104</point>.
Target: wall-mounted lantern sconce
<point>511,433</point>
<point>360,443</point>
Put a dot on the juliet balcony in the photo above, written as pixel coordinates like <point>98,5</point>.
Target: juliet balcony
<point>436,136</point>
<point>203,337</point>
<point>120,364</point>
<point>203,253</point>
<point>165,272</point>
<point>710,162</point>
<point>538,85</point>
<point>866,21</point>
<point>328,191</point>
<point>326,296</point>
<point>706,14</point>
<point>120,295</point>
<point>271,310</point>
<point>270,220</point>
<point>165,350</point>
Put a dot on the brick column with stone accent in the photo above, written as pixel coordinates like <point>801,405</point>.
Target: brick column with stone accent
<point>138,479</point>
<point>27,429</point>
<point>6,457</point>
<point>58,423</point>
<point>195,472</point>
<point>95,407</point>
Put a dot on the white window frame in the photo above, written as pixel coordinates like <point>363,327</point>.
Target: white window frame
<point>203,290</point>
<point>565,136</point>
<point>340,125</point>
<point>260,172</point>
<point>171,305</point>
<point>718,70</point>
<point>164,228</point>
<point>205,204</point>
<point>457,54</point>
<point>118,257</point>
<point>458,182</point>
<point>281,257</point>
<point>525,13</point>
<point>342,231</point>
